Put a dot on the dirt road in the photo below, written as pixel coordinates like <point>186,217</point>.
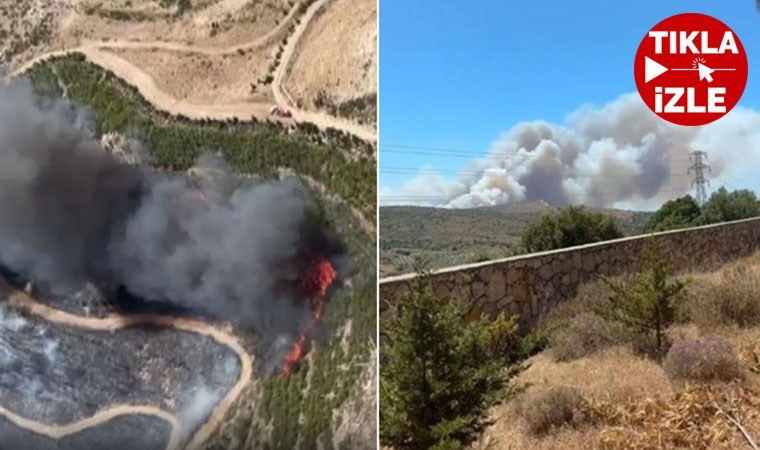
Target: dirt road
<point>97,53</point>
<point>22,301</point>
<point>287,54</point>
<point>103,416</point>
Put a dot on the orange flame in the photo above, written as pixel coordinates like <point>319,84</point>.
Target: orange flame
<point>319,278</point>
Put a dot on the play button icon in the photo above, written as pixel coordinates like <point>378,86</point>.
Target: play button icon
<point>652,69</point>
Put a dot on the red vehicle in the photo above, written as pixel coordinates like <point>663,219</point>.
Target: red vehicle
<point>279,111</point>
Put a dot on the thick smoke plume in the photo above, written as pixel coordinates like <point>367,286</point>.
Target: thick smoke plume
<point>70,211</point>
<point>619,154</point>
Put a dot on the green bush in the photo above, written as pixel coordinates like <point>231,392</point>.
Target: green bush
<point>724,206</point>
<point>553,409</point>
<point>439,375</point>
<point>646,304</point>
<point>572,226</point>
<point>682,212</point>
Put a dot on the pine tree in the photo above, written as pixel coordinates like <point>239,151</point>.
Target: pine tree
<point>439,375</point>
<point>647,304</point>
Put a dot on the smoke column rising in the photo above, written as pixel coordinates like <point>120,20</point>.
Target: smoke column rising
<point>619,153</point>
<point>69,211</point>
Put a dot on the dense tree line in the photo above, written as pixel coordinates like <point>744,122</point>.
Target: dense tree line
<point>572,226</point>
<point>175,142</point>
<point>722,206</point>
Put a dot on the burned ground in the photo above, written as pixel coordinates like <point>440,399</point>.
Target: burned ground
<point>121,433</point>
<point>59,374</point>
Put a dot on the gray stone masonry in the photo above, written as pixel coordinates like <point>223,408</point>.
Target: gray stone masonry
<point>529,285</point>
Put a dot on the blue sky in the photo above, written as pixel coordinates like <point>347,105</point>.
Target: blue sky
<point>456,75</point>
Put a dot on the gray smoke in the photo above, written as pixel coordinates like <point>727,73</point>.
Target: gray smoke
<point>619,153</point>
<point>69,210</point>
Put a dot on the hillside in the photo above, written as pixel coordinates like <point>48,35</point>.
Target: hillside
<point>448,237</point>
<point>332,379</point>
<point>595,388</point>
<point>215,58</point>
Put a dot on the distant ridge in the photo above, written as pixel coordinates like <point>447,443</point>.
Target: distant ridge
<point>448,237</point>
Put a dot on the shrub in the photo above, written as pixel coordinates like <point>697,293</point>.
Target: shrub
<point>549,410</point>
<point>572,226</point>
<point>731,299</point>
<point>439,375</point>
<point>573,329</point>
<point>724,206</point>
<point>647,304</point>
<point>679,213</point>
<point>584,334</point>
<point>703,360</point>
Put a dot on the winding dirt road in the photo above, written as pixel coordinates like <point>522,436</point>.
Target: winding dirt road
<point>97,53</point>
<point>21,300</point>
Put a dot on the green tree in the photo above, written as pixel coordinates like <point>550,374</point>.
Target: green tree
<point>646,304</point>
<point>679,213</point>
<point>572,226</point>
<point>724,206</point>
<point>439,374</point>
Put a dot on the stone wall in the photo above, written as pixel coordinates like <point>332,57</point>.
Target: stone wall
<point>529,285</point>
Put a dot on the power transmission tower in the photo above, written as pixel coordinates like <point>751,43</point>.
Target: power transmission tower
<point>698,168</point>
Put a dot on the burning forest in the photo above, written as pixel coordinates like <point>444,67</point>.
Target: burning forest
<point>260,256</point>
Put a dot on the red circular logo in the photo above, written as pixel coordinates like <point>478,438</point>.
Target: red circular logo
<point>691,69</point>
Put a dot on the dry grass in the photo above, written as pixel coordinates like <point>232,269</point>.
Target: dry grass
<point>629,402</point>
<point>615,374</point>
<point>337,55</point>
<point>205,79</point>
<point>703,359</point>
<point>551,410</point>
<point>697,418</point>
<point>728,297</point>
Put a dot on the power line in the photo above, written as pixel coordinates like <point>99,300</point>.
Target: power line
<point>445,198</point>
<point>413,171</point>
<point>468,154</point>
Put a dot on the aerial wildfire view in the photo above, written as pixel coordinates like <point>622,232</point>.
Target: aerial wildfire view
<point>187,235</point>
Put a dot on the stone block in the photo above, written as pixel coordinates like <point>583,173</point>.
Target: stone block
<point>441,291</point>
<point>513,275</point>
<point>497,287</point>
<point>545,272</point>
<point>478,290</point>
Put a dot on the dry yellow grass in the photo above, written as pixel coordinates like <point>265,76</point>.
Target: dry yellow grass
<point>632,404</point>
<point>206,79</point>
<point>337,55</point>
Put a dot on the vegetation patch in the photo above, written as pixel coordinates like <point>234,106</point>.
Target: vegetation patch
<point>731,297</point>
<point>553,409</point>
<point>647,304</point>
<point>440,375</point>
<point>703,359</point>
<point>701,417</point>
<point>570,227</point>
<point>176,142</point>
<point>362,109</point>
<point>294,412</point>
<point>722,206</point>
